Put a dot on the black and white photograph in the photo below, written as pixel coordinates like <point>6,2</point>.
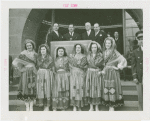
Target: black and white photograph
<point>76,60</point>
<point>73,59</point>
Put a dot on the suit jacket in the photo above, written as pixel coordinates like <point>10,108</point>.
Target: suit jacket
<point>86,37</point>
<point>119,44</point>
<point>137,64</point>
<point>75,36</point>
<point>54,37</point>
<point>100,37</point>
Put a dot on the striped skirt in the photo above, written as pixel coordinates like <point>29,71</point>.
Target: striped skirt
<point>45,78</point>
<point>93,86</point>
<point>60,96</point>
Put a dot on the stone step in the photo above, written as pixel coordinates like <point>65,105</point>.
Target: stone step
<point>127,88</point>
<point>126,103</point>
<point>129,106</point>
<point>128,83</point>
<point>129,92</point>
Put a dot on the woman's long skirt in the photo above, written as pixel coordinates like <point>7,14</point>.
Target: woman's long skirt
<point>93,86</point>
<point>60,98</point>
<point>77,87</point>
<point>112,88</point>
<point>27,85</point>
<point>44,86</point>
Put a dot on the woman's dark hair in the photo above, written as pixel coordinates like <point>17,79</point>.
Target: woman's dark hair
<point>82,49</point>
<point>31,44</point>
<point>98,50</point>
<point>47,49</point>
<point>65,53</point>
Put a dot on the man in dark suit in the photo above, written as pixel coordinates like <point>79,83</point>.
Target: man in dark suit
<point>89,34</point>
<point>54,35</point>
<point>137,68</point>
<point>71,35</point>
<point>119,42</point>
<point>99,35</point>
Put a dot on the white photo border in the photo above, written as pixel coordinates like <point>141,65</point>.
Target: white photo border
<point>70,115</point>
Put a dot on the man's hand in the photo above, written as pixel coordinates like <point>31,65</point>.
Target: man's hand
<point>135,81</point>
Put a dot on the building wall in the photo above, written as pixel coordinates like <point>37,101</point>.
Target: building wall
<point>17,20</point>
<point>25,24</point>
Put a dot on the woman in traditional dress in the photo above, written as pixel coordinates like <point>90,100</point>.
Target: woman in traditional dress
<point>26,63</point>
<point>78,63</point>
<point>61,82</point>
<point>93,77</point>
<point>45,76</point>
<point>114,61</point>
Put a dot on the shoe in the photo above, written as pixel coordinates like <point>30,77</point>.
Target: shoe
<point>31,106</point>
<point>111,108</point>
<point>46,108</point>
<point>74,109</point>
<point>91,110</point>
<point>96,109</point>
<point>27,107</point>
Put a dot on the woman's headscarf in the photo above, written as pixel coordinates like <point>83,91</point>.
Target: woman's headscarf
<point>112,48</point>
<point>30,41</point>
<point>113,44</point>
<point>99,49</point>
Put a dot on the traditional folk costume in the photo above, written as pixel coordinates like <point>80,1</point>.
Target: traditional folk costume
<point>93,78</point>
<point>45,77</point>
<point>77,80</point>
<point>61,83</point>
<point>112,91</point>
<point>26,63</point>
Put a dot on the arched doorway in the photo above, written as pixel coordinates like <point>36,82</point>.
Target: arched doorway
<point>39,21</point>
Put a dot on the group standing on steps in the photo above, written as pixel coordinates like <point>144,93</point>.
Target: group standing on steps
<point>88,76</point>
<point>77,80</point>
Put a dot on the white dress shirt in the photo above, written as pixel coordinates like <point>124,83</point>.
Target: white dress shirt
<point>96,33</point>
<point>56,32</point>
<point>71,33</point>
<point>88,32</point>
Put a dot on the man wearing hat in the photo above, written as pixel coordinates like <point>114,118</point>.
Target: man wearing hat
<point>137,68</point>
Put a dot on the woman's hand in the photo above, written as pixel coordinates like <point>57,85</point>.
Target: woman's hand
<point>103,72</point>
<point>16,68</point>
<point>99,73</point>
<point>115,68</point>
<point>29,66</point>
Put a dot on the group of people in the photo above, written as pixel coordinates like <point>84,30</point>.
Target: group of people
<point>97,35</point>
<point>71,80</point>
<point>76,80</point>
